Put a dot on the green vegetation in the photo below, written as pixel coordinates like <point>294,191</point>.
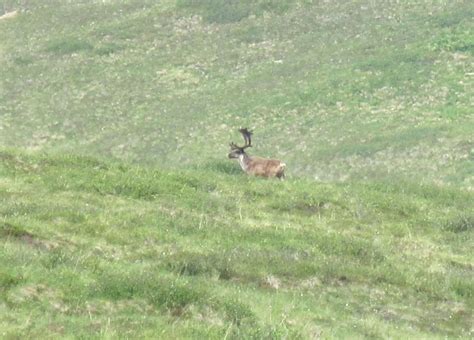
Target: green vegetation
<point>338,89</point>
<point>120,215</point>
<point>99,248</point>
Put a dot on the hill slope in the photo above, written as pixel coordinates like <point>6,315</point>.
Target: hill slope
<point>155,233</point>
<point>97,248</point>
<point>337,89</point>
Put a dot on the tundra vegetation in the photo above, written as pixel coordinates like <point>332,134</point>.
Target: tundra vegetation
<point>121,216</point>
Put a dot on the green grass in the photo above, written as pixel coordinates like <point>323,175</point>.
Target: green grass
<point>121,216</point>
<point>97,248</point>
<point>339,90</point>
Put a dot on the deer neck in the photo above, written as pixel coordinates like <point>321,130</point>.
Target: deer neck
<point>244,160</point>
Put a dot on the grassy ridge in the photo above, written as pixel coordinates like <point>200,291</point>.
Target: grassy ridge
<point>338,89</point>
<point>99,248</point>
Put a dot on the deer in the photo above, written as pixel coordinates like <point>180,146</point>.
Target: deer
<point>253,165</point>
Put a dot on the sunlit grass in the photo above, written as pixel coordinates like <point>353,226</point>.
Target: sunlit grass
<point>121,216</point>
<point>95,248</point>
<point>338,89</point>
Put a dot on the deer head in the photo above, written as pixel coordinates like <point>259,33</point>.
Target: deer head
<point>256,166</point>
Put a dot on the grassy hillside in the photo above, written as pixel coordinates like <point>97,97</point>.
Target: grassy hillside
<point>338,89</point>
<point>120,215</point>
<point>106,249</point>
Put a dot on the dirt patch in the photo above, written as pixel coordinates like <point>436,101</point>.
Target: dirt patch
<point>9,15</point>
<point>16,163</point>
<point>311,282</point>
<point>13,232</point>
<point>272,282</point>
<point>42,293</point>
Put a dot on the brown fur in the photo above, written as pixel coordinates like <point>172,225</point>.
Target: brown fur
<point>258,166</point>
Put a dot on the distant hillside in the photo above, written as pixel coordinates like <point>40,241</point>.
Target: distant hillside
<point>339,90</point>
<point>93,248</point>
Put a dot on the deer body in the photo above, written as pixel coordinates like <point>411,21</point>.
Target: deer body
<point>264,167</point>
<point>253,165</point>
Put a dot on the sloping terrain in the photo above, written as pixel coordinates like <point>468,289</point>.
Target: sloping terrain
<point>338,89</point>
<point>95,248</point>
<point>121,216</point>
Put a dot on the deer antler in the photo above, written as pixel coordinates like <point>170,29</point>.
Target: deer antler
<point>247,137</point>
<point>234,146</point>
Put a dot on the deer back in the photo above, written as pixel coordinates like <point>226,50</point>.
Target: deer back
<point>265,167</point>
